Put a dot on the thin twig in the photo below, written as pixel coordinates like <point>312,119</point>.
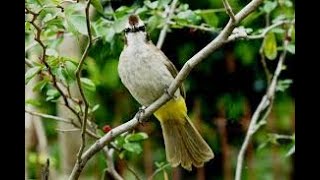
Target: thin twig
<point>164,30</point>
<point>28,62</point>
<point>159,170</point>
<point>218,42</point>
<point>111,169</point>
<point>60,119</point>
<point>229,10</point>
<point>64,120</point>
<point>68,130</point>
<point>202,28</point>
<point>78,77</point>
<point>265,102</point>
<point>132,171</point>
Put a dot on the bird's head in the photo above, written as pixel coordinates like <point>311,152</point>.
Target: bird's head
<point>135,30</point>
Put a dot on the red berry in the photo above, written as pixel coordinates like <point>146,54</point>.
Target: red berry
<point>106,128</point>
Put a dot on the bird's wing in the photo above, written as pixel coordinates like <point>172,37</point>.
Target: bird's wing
<point>172,69</point>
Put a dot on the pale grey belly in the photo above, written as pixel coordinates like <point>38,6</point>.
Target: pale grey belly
<point>147,79</point>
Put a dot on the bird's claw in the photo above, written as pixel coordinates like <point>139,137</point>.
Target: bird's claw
<point>140,113</point>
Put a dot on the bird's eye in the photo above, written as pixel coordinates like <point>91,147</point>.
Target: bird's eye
<point>126,30</point>
<point>142,28</point>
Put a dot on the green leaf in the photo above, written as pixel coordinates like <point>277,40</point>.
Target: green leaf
<point>153,22</point>
<point>33,102</point>
<point>52,94</point>
<point>291,48</point>
<point>96,107</point>
<point>136,137</point>
<point>97,5</point>
<point>133,147</point>
<point>269,6</point>
<point>151,5</point>
<point>78,23</point>
<point>88,84</point>
<point>270,46</point>
<point>119,24</point>
<point>188,15</point>
<point>40,85</point>
<point>163,3</point>
<point>119,142</point>
<point>210,18</point>
<point>283,84</point>
<point>31,73</point>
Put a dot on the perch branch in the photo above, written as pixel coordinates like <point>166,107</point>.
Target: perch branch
<point>164,30</point>
<point>220,40</point>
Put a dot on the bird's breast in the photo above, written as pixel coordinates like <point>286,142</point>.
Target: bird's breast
<point>143,74</point>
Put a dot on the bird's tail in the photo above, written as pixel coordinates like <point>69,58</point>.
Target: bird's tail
<point>183,143</point>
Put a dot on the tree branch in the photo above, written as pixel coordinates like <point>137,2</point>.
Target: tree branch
<point>111,170</point>
<point>43,60</point>
<point>229,10</point>
<point>164,30</point>
<point>60,119</point>
<point>78,77</point>
<point>265,102</point>
<point>220,40</point>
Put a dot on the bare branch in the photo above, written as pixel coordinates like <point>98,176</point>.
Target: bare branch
<point>69,121</point>
<point>164,30</point>
<point>78,77</point>
<point>265,102</point>
<point>202,28</point>
<point>64,120</point>
<point>229,10</point>
<point>111,170</point>
<point>218,42</point>
<point>68,130</point>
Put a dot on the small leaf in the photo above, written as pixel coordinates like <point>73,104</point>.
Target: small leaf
<point>210,18</point>
<point>163,3</point>
<point>136,137</point>
<point>97,5</point>
<point>33,102</point>
<point>52,94</point>
<point>119,24</point>
<point>270,46</point>
<point>283,85</point>
<point>119,141</point>
<point>40,85</point>
<point>188,15</point>
<point>96,107</point>
<point>31,73</point>
<point>88,84</point>
<point>269,6</point>
<point>133,147</point>
<point>291,48</point>
<point>151,5</point>
<point>79,22</point>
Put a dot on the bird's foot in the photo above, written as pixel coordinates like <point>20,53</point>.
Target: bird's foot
<point>140,113</point>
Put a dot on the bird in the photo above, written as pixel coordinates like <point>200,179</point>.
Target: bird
<point>147,73</point>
